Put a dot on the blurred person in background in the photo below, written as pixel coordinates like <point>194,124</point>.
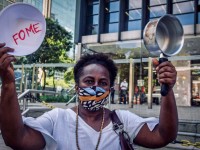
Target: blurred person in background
<point>123,91</point>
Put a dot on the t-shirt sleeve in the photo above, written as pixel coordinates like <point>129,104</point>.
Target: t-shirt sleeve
<point>44,124</point>
<point>133,123</point>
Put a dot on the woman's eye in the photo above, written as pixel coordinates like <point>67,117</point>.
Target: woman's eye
<point>89,81</point>
<point>103,83</point>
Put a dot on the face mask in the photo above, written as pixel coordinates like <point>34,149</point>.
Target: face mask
<point>93,98</point>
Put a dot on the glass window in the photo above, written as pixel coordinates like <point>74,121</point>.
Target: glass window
<point>158,8</point>
<point>112,27</point>
<point>186,19</point>
<point>157,2</point>
<point>92,24</point>
<point>92,29</point>
<point>114,6</point>
<point>112,17</point>
<point>93,9</point>
<point>92,19</point>
<point>199,11</point>
<point>157,11</point>
<point>64,13</point>
<point>179,0</point>
<point>37,3</point>
<point>185,7</point>
<point>91,2</point>
<point>133,4</point>
<point>134,14</point>
<point>134,25</point>
<point>6,3</point>
<point>195,76</point>
<point>184,11</point>
<point>198,18</point>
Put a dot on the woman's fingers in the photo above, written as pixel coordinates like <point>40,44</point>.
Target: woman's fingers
<point>6,70</point>
<point>155,62</point>
<point>4,50</point>
<point>168,80</point>
<point>3,57</point>
<point>7,62</point>
<point>2,45</point>
<point>165,63</point>
<point>165,68</point>
<point>167,73</point>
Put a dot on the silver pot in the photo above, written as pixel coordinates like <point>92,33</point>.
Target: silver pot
<point>164,36</point>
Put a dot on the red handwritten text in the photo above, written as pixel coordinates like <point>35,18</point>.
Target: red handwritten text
<point>24,33</point>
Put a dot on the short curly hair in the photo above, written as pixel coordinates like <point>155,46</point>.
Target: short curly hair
<point>96,58</point>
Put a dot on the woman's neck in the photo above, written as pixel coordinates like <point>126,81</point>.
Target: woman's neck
<point>90,115</point>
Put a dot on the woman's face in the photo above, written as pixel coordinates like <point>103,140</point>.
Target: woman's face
<point>95,75</point>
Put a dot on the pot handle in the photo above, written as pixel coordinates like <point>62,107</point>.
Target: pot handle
<point>164,87</point>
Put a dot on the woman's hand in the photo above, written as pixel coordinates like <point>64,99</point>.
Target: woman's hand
<point>6,68</point>
<point>166,72</point>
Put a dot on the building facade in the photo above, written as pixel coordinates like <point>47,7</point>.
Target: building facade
<point>116,27</point>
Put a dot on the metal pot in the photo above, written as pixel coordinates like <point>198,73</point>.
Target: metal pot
<point>164,36</point>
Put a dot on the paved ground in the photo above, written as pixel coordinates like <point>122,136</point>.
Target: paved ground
<point>2,145</point>
<point>191,114</point>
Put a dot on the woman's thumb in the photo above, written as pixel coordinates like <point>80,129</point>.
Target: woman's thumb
<point>155,62</point>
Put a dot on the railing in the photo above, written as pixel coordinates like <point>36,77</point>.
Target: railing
<point>72,97</point>
<point>71,89</point>
<point>26,110</point>
<point>71,100</point>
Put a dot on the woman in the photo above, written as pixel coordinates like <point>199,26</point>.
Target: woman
<point>88,125</point>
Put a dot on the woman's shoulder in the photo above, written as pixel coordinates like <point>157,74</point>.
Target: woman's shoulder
<point>126,115</point>
<point>122,112</point>
<point>57,112</point>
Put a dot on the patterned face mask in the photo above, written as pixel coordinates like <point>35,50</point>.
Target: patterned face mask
<point>93,98</point>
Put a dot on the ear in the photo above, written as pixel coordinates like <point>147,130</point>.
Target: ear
<point>76,88</point>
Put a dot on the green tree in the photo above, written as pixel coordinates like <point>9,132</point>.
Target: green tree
<point>69,75</point>
<point>56,44</point>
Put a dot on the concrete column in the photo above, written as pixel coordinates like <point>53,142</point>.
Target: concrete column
<point>22,79</point>
<point>25,79</point>
<point>33,77</point>
<point>131,82</point>
<point>79,50</point>
<point>47,8</point>
<point>150,78</point>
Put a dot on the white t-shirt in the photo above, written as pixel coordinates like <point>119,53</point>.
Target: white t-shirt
<point>58,127</point>
<point>124,85</point>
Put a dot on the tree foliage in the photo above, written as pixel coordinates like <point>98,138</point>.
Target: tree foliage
<point>69,75</point>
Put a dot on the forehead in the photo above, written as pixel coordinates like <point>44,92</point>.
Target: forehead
<point>95,70</point>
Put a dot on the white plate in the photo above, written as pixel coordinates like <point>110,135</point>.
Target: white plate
<point>23,28</point>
